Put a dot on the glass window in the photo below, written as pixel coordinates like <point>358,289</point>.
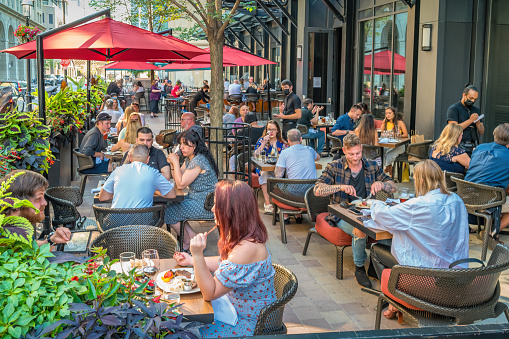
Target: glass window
<point>398,83</point>
<point>367,13</point>
<point>365,54</point>
<point>382,65</point>
<point>400,6</point>
<point>317,76</point>
<point>384,9</point>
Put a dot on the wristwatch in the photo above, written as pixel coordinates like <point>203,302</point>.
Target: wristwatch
<point>48,238</point>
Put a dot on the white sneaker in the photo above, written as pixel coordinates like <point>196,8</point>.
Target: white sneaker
<point>268,209</point>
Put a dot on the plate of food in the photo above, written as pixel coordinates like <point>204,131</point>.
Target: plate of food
<point>363,204</point>
<point>179,280</point>
<point>117,267</point>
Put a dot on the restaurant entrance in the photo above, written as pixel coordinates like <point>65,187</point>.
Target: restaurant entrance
<point>320,61</point>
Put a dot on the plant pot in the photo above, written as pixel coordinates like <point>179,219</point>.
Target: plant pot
<point>76,142</point>
<point>54,174</point>
<point>65,164</point>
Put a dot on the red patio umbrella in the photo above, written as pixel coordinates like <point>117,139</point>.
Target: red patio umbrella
<point>127,65</point>
<point>108,39</point>
<point>383,63</point>
<point>237,57</point>
<point>187,66</point>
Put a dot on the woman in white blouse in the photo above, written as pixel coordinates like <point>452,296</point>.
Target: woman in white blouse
<point>430,230</point>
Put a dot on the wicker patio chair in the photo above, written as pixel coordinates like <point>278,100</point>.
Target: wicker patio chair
<point>444,297</point>
<point>418,151</point>
<point>478,198</point>
<point>451,185</point>
<point>270,320</point>
<point>65,200</point>
<point>288,198</point>
<point>317,211</point>
<point>209,202</point>
<point>168,138</point>
<point>85,162</point>
<point>136,239</point>
<point>242,160</point>
<point>337,144</point>
<point>108,218</point>
<point>371,152</point>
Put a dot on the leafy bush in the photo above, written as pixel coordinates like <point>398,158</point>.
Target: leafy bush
<point>24,142</point>
<point>33,292</point>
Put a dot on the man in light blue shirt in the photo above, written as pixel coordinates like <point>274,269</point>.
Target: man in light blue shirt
<point>133,185</point>
<point>298,161</point>
<point>234,88</point>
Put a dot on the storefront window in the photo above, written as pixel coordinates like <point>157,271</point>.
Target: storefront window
<point>382,60</point>
<point>317,77</point>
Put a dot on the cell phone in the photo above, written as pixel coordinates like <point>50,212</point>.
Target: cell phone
<point>354,211</point>
<point>363,219</point>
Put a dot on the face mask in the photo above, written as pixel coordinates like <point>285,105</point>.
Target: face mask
<point>286,91</point>
<point>469,102</point>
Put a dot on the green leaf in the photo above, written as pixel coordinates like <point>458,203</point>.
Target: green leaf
<point>19,282</point>
<point>15,332</point>
<point>14,129</point>
<point>24,320</point>
<point>91,290</point>
<point>8,311</point>
<point>18,229</point>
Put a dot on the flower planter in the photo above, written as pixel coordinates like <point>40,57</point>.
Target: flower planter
<point>66,165</point>
<point>54,174</point>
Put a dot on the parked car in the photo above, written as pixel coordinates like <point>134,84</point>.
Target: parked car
<point>60,78</point>
<point>10,97</point>
<point>50,80</point>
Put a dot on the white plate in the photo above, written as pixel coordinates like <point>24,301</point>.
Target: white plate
<point>358,204</point>
<point>163,285</point>
<point>118,268</point>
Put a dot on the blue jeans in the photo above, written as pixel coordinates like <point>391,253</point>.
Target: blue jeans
<point>320,135</point>
<point>358,244</point>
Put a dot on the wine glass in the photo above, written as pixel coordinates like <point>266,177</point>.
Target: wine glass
<point>127,261</point>
<point>150,264</point>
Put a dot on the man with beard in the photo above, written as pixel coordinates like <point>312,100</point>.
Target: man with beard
<point>31,186</point>
<point>467,115</point>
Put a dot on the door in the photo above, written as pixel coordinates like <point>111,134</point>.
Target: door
<point>319,82</point>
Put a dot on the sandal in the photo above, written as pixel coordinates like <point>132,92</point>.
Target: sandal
<point>390,314</point>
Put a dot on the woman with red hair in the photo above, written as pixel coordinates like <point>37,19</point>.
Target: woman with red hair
<point>243,270</point>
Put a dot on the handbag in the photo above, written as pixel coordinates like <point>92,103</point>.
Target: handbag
<point>415,138</point>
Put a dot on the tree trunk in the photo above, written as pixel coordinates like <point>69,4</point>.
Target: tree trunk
<point>216,94</point>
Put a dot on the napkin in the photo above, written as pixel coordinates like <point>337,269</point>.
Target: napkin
<point>384,140</point>
<point>224,311</point>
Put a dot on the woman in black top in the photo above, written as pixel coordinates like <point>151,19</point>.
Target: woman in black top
<point>200,95</point>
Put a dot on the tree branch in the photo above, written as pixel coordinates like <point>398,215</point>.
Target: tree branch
<point>200,11</point>
<point>227,21</point>
<point>182,8</point>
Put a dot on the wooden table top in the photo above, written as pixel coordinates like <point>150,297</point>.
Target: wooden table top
<point>352,219</point>
<point>270,168</point>
<point>193,303</point>
<point>157,198</point>
<point>395,144</point>
<point>113,155</point>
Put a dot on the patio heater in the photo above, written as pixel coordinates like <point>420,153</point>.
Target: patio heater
<point>27,8</point>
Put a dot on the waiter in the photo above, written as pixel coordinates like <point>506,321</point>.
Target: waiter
<point>290,110</point>
<point>467,115</point>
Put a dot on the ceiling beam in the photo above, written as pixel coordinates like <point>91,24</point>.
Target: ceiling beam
<point>410,3</point>
<point>285,12</point>
<point>238,38</point>
<point>267,10</point>
<point>269,32</point>
<point>252,35</point>
<point>334,10</point>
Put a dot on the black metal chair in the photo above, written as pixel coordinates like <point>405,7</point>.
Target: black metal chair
<point>252,98</point>
<point>270,320</point>
<point>136,239</point>
<point>108,218</point>
<point>235,99</point>
<point>451,185</point>
<point>209,202</point>
<point>65,200</point>
<point>288,198</point>
<point>337,144</point>
<point>478,198</point>
<point>414,153</point>
<point>85,162</point>
<point>372,152</point>
<point>447,296</point>
<point>168,138</point>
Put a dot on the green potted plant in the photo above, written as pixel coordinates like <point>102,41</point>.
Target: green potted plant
<point>24,142</point>
<point>26,33</point>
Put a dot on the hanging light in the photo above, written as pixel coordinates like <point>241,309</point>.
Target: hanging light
<point>426,37</point>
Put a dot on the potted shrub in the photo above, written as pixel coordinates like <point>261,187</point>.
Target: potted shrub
<point>24,142</point>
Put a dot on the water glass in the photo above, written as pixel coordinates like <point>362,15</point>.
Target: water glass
<point>150,264</point>
<point>127,261</point>
<point>403,194</point>
<point>398,136</point>
<point>172,298</point>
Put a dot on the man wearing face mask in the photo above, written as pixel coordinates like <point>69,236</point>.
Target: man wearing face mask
<point>202,94</point>
<point>467,115</point>
<point>291,108</point>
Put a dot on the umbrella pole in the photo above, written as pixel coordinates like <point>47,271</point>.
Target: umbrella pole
<point>88,91</point>
<point>268,93</point>
<point>41,90</point>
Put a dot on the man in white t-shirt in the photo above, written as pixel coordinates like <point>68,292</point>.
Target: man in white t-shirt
<point>133,185</point>
<point>298,161</point>
<point>234,88</point>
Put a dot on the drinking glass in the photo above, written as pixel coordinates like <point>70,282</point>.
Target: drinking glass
<point>172,298</point>
<point>127,261</point>
<point>150,264</point>
<point>264,156</point>
<point>398,136</point>
<point>403,194</point>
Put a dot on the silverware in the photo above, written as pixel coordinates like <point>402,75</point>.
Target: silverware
<point>369,197</point>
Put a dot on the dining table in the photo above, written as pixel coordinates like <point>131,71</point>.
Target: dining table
<point>194,304</point>
<point>327,127</point>
<point>157,198</point>
<point>354,220</point>
<point>392,144</point>
<point>263,166</point>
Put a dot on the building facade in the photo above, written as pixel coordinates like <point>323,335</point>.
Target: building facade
<point>415,55</point>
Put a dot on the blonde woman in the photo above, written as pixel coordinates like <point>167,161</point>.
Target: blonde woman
<point>446,151</point>
<point>127,136</point>
<point>430,230</point>
<point>122,121</point>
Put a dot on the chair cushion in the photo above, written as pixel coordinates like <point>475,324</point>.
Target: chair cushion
<point>334,235</point>
<point>286,207</point>
<point>254,180</point>
<point>385,290</point>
